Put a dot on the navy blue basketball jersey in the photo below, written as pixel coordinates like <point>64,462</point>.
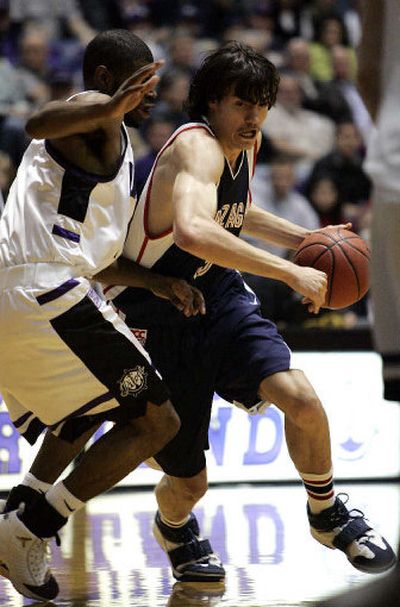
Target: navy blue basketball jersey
<point>161,253</point>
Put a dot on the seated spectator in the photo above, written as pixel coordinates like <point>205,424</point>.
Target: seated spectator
<point>343,84</point>
<point>156,132</point>
<point>276,194</point>
<point>34,64</point>
<point>324,198</point>
<point>330,32</point>
<point>53,16</point>
<point>172,93</point>
<point>181,52</point>
<point>344,166</point>
<point>303,134</point>
<point>316,96</point>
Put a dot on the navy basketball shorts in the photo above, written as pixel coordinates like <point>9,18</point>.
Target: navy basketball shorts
<point>229,351</point>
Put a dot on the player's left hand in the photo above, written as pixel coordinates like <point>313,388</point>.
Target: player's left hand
<point>182,295</point>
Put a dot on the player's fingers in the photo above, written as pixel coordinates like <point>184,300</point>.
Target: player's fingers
<point>199,304</point>
<point>143,73</point>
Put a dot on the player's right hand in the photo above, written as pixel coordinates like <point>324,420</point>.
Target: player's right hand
<point>131,92</point>
<point>312,284</point>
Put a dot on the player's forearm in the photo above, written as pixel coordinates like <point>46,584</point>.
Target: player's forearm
<point>61,119</point>
<point>271,228</point>
<point>127,273</point>
<point>369,74</point>
<point>212,243</point>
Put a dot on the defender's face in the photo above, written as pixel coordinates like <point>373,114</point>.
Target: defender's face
<point>236,122</point>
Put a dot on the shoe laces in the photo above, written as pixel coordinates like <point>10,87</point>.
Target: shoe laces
<point>341,515</point>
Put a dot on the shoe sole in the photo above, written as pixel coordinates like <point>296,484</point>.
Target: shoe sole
<point>183,577</point>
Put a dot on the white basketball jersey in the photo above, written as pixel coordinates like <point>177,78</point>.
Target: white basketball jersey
<point>58,214</point>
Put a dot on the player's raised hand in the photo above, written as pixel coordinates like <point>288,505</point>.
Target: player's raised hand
<point>133,89</point>
<point>182,295</point>
<point>312,284</point>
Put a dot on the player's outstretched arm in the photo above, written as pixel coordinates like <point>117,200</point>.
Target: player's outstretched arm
<point>127,273</point>
<point>91,111</point>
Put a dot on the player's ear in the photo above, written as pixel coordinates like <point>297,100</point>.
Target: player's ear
<point>103,79</point>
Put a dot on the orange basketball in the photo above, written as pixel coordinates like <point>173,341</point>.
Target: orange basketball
<point>344,257</point>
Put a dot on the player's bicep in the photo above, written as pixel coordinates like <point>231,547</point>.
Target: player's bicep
<point>193,197</point>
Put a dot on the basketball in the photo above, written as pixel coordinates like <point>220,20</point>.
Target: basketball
<point>344,257</point>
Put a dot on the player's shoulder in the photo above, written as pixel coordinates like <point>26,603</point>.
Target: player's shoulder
<point>196,141</point>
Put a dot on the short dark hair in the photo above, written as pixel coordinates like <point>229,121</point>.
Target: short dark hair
<point>119,50</point>
<point>237,67</point>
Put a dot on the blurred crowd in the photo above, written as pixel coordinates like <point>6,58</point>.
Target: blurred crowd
<point>310,166</point>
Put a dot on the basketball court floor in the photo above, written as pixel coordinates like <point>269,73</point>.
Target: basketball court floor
<point>109,558</point>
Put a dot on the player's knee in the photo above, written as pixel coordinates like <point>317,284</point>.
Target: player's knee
<point>194,488</point>
<point>306,411</point>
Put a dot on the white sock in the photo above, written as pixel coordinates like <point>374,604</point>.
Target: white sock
<point>320,490</point>
<point>31,481</point>
<point>174,525</point>
<point>62,500</point>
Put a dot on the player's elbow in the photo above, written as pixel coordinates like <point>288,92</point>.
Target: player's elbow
<point>187,237</point>
<point>35,127</point>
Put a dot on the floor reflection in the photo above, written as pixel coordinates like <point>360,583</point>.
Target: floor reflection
<point>109,558</point>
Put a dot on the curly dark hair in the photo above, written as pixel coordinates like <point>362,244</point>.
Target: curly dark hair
<point>119,50</point>
<point>234,67</point>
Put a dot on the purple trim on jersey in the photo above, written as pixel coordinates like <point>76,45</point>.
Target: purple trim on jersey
<point>59,231</point>
<point>72,168</point>
<point>85,408</point>
<point>57,292</point>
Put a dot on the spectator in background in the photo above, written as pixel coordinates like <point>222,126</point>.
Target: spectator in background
<point>276,194</point>
<point>302,134</point>
<point>156,132</point>
<point>34,64</point>
<point>330,32</point>
<point>316,96</point>
<point>181,52</point>
<point>344,166</point>
<point>343,83</point>
<point>53,15</point>
<point>324,198</point>
<point>172,91</point>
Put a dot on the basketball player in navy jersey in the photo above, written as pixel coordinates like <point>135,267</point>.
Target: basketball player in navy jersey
<point>191,211</point>
<point>186,224</point>
<point>68,360</point>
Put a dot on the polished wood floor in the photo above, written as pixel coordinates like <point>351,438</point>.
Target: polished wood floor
<point>109,558</point>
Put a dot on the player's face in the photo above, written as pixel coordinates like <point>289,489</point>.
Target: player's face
<point>236,122</point>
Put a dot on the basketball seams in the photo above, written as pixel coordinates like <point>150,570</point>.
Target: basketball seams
<point>352,266</point>
<point>328,299</point>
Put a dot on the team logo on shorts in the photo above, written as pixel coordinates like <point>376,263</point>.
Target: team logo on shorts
<point>133,381</point>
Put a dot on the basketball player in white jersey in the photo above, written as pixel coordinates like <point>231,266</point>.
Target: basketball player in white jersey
<point>379,83</point>
<point>186,224</point>
<point>68,360</point>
